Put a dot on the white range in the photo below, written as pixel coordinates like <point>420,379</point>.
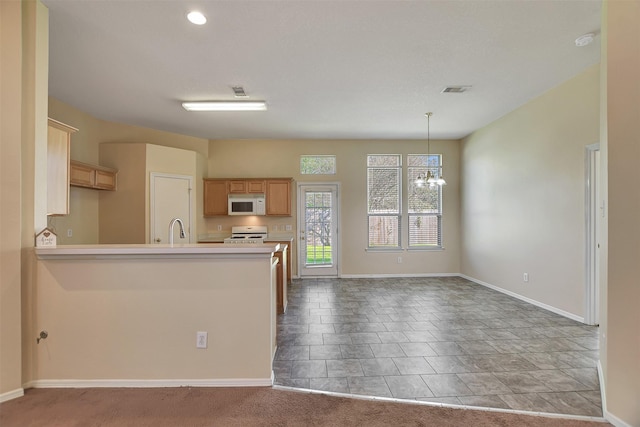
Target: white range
<point>248,234</point>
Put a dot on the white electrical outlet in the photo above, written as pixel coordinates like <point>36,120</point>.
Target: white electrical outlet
<point>525,277</point>
<point>201,339</point>
<point>69,232</point>
<point>288,227</point>
<point>219,228</point>
<point>399,260</point>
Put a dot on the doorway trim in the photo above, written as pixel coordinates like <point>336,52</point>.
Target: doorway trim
<point>335,186</point>
<point>592,214</point>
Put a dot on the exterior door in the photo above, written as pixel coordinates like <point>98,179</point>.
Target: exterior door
<point>170,197</point>
<point>318,230</point>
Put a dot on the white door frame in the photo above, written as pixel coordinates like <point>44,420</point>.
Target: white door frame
<point>592,222</point>
<point>152,179</point>
<point>300,223</point>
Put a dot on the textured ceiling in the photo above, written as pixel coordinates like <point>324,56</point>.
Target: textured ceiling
<point>327,69</point>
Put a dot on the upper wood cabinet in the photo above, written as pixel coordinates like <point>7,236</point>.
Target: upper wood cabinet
<point>277,194</point>
<point>58,149</point>
<point>243,186</point>
<point>278,197</point>
<point>92,176</point>
<point>215,197</point>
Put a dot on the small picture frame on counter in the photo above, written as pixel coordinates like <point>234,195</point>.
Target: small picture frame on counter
<point>46,239</point>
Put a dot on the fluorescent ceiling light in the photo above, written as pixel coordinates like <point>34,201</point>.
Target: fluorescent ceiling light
<point>225,106</point>
<point>196,18</point>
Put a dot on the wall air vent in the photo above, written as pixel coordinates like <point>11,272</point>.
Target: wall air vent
<point>455,89</point>
<point>239,92</point>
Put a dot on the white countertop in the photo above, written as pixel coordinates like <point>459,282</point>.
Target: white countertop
<point>194,250</point>
<point>219,237</point>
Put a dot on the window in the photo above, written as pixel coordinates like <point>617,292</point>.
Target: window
<point>384,172</point>
<point>318,165</point>
<point>425,202</point>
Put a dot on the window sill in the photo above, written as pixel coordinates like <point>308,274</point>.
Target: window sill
<point>434,249</point>
<point>385,250</point>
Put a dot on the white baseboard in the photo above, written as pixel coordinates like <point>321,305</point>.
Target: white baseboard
<point>386,276</point>
<point>231,382</point>
<point>525,299</point>
<point>603,388</point>
<point>617,422</point>
<point>13,394</point>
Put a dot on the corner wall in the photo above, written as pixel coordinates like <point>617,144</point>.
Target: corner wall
<point>10,198</point>
<point>522,197</point>
<point>622,343</point>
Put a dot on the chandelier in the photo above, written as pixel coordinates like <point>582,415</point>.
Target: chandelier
<point>429,178</point>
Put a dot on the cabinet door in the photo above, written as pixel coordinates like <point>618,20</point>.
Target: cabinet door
<point>237,186</point>
<point>105,180</point>
<point>278,197</point>
<point>58,145</point>
<point>215,197</point>
<point>81,175</point>
<point>256,186</point>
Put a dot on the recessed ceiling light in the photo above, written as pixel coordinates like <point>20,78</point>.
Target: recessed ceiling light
<point>196,18</point>
<point>585,39</point>
<point>225,106</point>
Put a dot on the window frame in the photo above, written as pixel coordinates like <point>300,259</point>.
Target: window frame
<point>319,156</point>
<point>399,214</point>
<point>436,170</point>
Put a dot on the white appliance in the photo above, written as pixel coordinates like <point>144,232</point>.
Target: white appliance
<point>246,204</point>
<point>251,234</point>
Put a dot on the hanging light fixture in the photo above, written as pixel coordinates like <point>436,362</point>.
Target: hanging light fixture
<point>429,178</point>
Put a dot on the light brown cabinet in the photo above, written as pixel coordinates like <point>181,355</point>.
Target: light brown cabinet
<point>244,186</point>
<point>58,149</point>
<point>278,197</point>
<point>277,194</point>
<point>283,279</point>
<point>92,176</point>
<point>215,197</point>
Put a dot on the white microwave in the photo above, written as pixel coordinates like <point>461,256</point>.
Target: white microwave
<point>246,204</point>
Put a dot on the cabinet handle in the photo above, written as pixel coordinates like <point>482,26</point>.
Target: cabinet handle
<point>157,240</point>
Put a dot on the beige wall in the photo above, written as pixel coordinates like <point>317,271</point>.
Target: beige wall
<point>135,319</point>
<point>33,162</point>
<point>122,217</point>
<point>523,186</point>
<point>275,158</point>
<point>84,203</point>
<point>125,213</point>
<point>623,147</point>
<point>10,198</point>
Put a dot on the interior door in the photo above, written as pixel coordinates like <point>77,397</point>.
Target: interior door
<point>170,197</point>
<point>318,230</point>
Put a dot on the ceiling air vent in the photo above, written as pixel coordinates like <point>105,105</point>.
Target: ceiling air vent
<point>455,89</point>
<point>239,92</point>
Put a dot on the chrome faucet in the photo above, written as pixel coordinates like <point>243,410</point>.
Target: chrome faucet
<point>171,224</point>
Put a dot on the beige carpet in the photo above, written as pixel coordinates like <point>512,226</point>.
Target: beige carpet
<point>261,406</point>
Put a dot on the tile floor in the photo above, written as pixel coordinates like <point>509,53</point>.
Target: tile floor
<point>443,340</point>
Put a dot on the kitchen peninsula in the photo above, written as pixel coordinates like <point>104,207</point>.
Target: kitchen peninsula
<point>128,315</point>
